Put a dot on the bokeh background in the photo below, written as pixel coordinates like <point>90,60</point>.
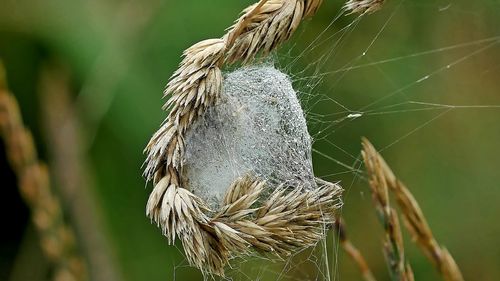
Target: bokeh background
<point>89,76</point>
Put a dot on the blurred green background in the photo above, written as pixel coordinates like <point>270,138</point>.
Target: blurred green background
<point>424,76</point>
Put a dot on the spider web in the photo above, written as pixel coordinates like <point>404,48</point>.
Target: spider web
<point>349,82</point>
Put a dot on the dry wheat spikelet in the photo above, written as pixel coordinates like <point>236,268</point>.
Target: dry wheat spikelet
<point>413,216</point>
<point>57,238</point>
<point>393,246</point>
<point>291,219</point>
<point>364,6</point>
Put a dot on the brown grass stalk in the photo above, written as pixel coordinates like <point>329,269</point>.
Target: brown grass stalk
<point>192,89</point>
<point>364,6</point>
<point>352,251</point>
<point>71,172</point>
<point>393,242</point>
<point>56,237</point>
<point>413,217</point>
<point>195,86</point>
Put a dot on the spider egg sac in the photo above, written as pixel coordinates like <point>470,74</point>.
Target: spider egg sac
<point>256,127</point>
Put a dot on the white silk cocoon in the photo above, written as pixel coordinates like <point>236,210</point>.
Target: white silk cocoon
<point>257,127</point>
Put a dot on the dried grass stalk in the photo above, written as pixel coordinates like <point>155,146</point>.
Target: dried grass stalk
<point>352,251</point>
<point>413,218</point>
<point>364,6</point>
<point>57,238</point>
<point>197,83</point>
<point>393,243</point>
<point>193,88</point>
<point>286,221</point>
<point>70,172</point>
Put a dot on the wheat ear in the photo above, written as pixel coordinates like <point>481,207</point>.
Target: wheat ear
<point>197,83</point>
<point>195,86</point>
<point>413,216</point>
<point>364,6</point>
<point>56,237</point>
<point>192,88</point>
<point>393,242</point>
